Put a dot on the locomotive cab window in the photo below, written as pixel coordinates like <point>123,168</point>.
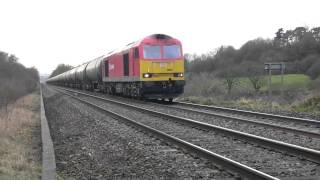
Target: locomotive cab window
<point>152,52</point>
<point>171,52</point>
<point>126,64</point>
<point>136,53</point>
<point>106,68</point>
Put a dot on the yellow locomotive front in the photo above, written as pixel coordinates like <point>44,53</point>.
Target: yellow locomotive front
<point>161,67</point>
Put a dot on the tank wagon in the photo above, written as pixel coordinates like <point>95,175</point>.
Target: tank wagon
<point>152,68</point>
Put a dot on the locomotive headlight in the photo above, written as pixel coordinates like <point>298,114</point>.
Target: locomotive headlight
<point>146,75</point>
<point>178,75</point>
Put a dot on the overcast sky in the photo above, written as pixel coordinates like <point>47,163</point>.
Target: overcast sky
<point>45,33</point>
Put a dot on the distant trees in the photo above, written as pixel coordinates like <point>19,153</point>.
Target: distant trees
<point>211,61</point>
<point>298,48</point>
<point>61,68</point>
<point>253,50</point>
<point>15,79</point>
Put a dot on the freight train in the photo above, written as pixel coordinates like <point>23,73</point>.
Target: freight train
<point>151,68</point>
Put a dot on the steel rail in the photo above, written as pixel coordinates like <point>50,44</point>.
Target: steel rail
<point>303,152</point>
<point>217,159</point>
<point>263,124</point>
<point>245,112</point>
<point>299,151</point>
<point>311,134</point>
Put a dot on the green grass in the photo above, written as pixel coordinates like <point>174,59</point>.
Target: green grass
<point>291,81</point>
<point>256,104</point>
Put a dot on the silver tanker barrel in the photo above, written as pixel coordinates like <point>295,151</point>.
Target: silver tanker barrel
<point>93,70</point>
<point>80,71</point>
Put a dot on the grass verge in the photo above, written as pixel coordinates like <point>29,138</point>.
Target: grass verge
<point>242,103</point>
<point>20,139</point>
<point>207,89</point>
<point>309,105</point>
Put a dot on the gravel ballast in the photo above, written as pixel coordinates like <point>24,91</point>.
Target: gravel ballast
<point>300,140</point>
<point>265,160</point>
<point>90,145</point>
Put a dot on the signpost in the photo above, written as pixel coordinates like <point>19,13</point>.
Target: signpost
<point>275,66</point>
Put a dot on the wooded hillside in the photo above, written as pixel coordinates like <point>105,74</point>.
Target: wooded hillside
<point>298,48</point>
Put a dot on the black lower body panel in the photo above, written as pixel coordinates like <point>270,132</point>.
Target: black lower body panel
<point>162,89</point>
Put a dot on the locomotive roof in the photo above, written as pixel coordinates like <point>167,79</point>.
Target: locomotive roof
<point>128,46</point>
<point>136,43</point>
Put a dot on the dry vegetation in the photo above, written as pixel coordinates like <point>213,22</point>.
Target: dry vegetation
<point>236,78</point>
<point>20,139</point>
<point>300,93</point>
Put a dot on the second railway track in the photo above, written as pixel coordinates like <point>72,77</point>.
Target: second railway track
<point>214,139</point>
<point>252,114</point>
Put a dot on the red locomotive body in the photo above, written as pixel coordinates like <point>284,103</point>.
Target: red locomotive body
<point>152,67</point>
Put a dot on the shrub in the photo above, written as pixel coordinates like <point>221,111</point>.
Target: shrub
<point>203,84</point>
<point>315,84</point>
<point>307,62</point>
<point>314,70</point>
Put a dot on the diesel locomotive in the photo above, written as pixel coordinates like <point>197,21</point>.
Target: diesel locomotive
<point>151,68</point>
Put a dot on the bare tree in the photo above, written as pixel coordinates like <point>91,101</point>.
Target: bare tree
<point>257,81</point>
<point>230,79</point>
<point>255,74</point>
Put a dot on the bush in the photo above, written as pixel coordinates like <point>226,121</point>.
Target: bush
<point>314,70</point>
<point>203,84</point>
<point>307,62</point>
<point>315,84</point>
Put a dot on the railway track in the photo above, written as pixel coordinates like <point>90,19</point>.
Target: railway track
<point>297,134</point>
<point>245,113</point>
<point>90,144</point>
<point>298,126</point>
<point>305,153</point>
<point>295,129</point>
<point>229,164</point>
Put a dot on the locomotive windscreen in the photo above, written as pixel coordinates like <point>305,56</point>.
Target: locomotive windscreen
<point>171,52</point>
<point>155,52</point>
<point>152,52</point>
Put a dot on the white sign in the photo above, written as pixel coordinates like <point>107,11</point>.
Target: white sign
<point>274,66</point>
